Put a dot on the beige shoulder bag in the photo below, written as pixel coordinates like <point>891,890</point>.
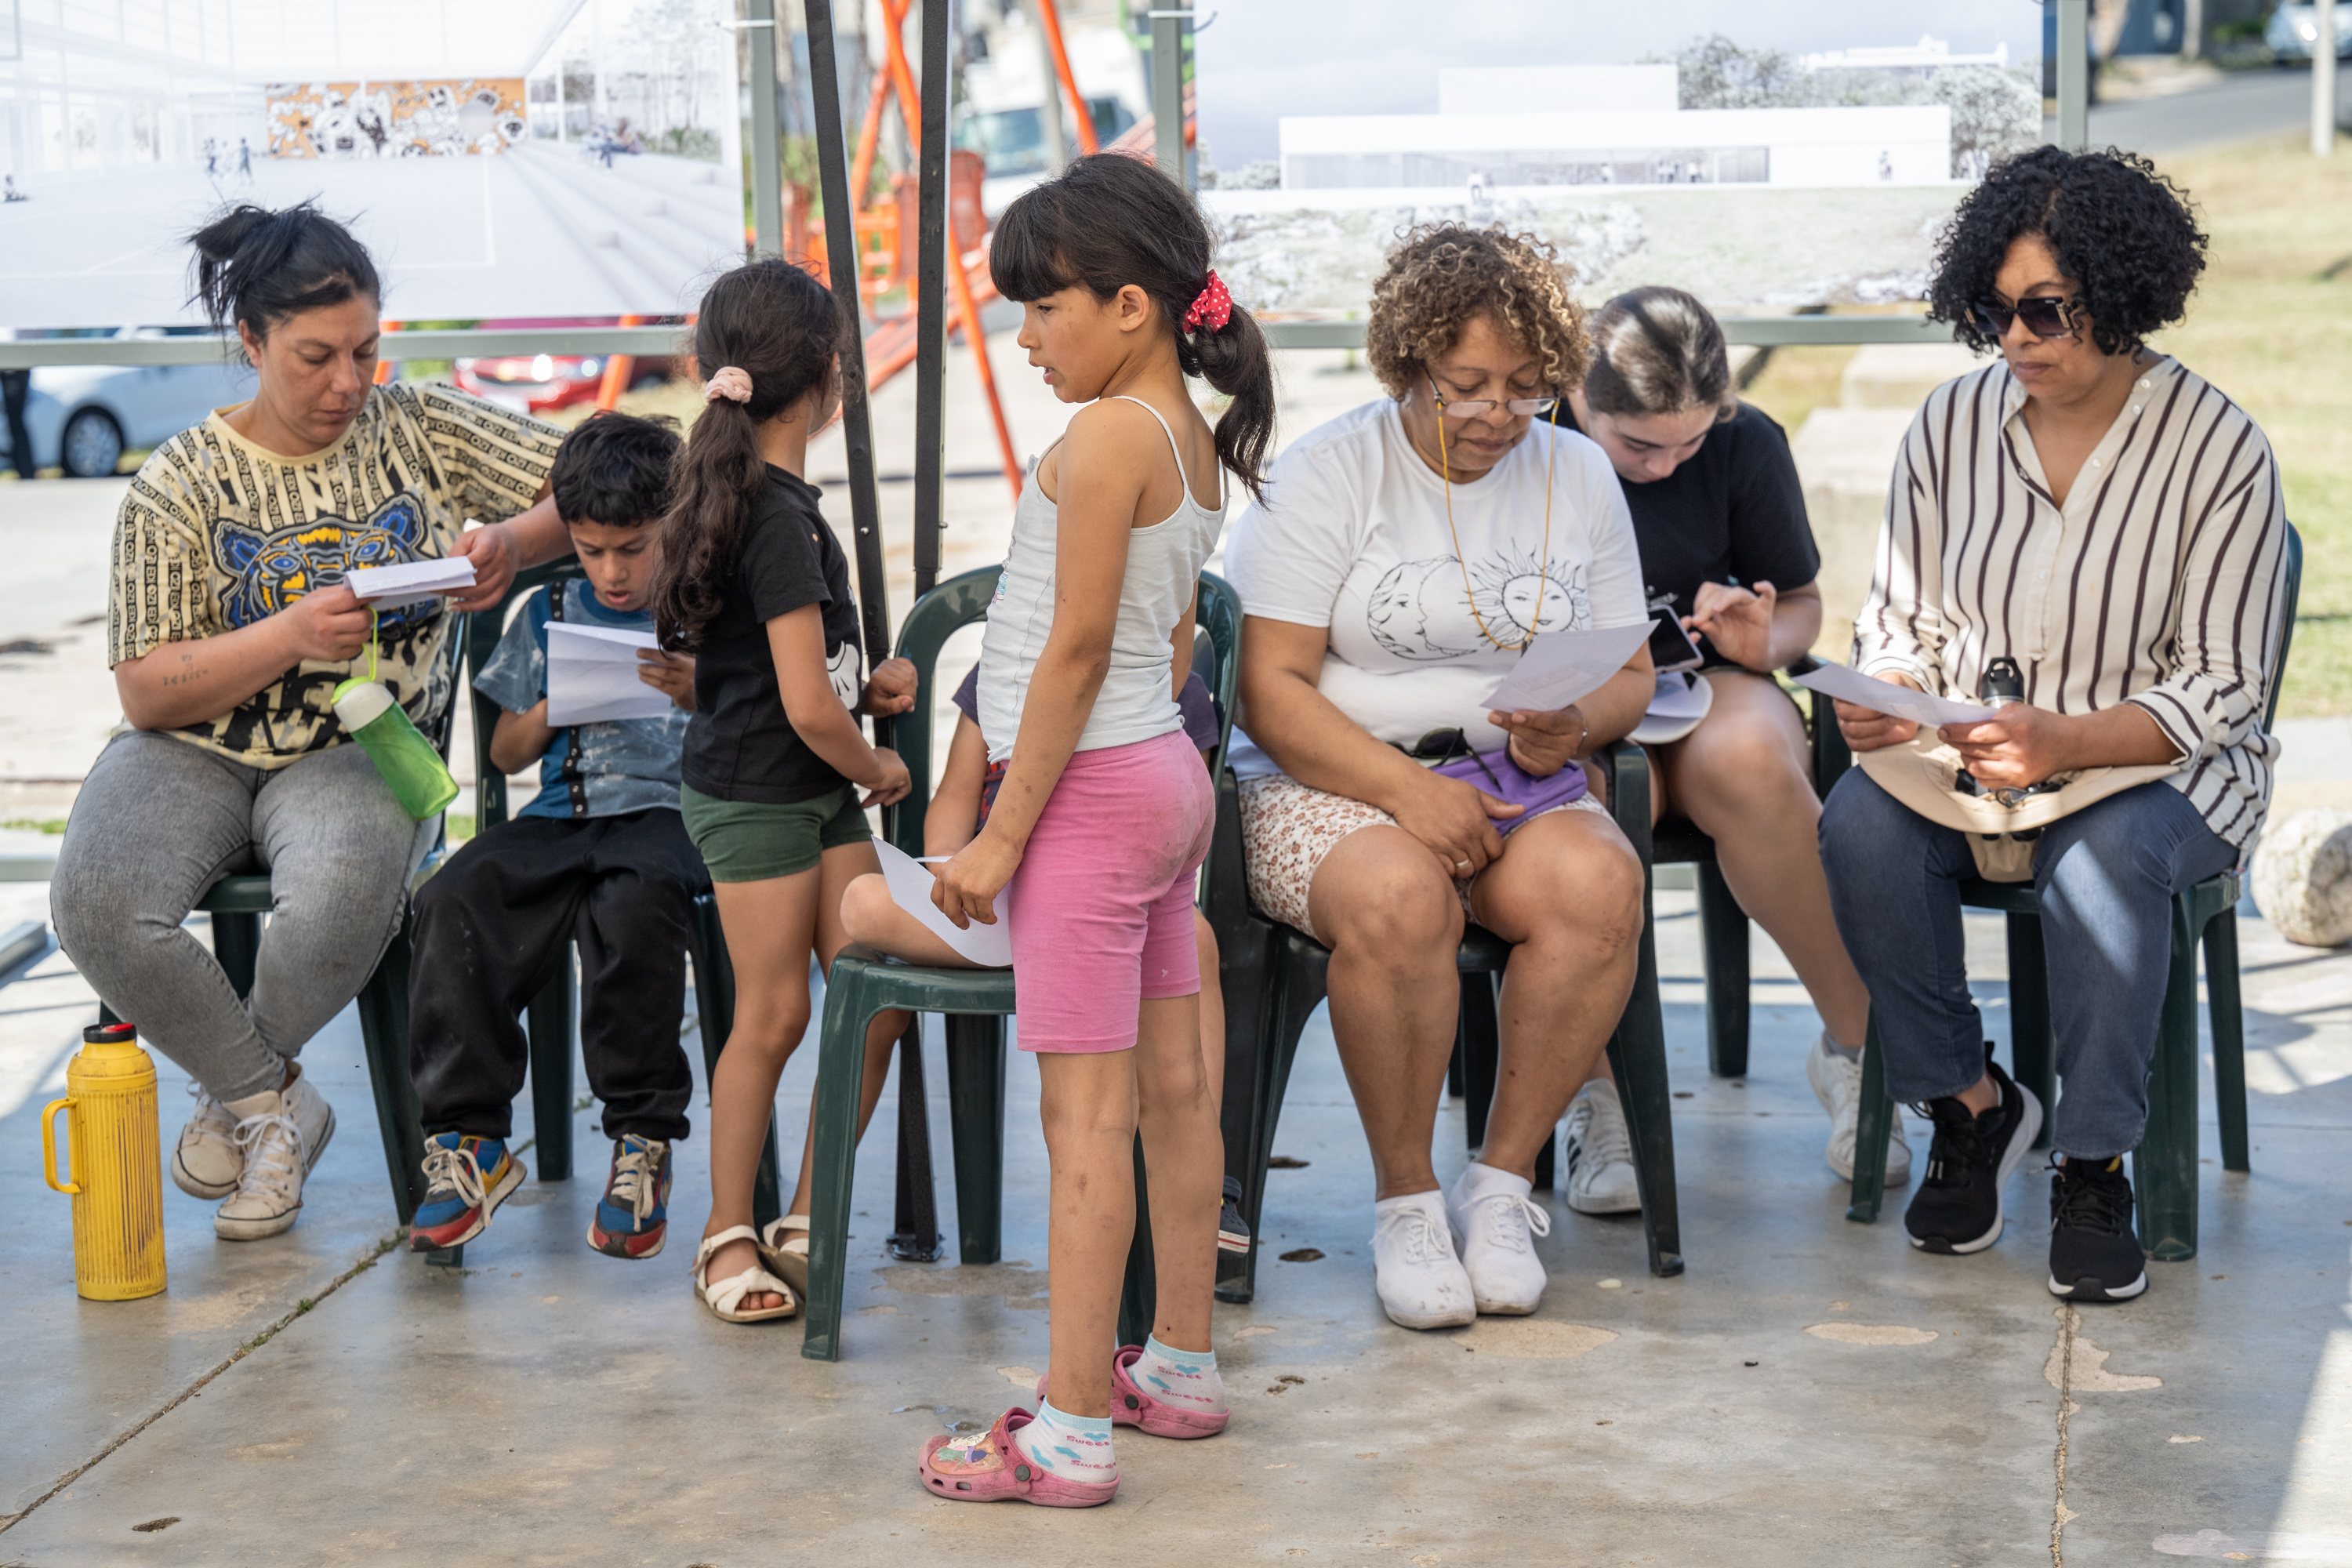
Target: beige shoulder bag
<point>1920,773</point>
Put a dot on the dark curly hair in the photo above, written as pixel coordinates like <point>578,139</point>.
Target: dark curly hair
<point>1441,276</point>
<point>2121,230</point>
<point>615,470</point>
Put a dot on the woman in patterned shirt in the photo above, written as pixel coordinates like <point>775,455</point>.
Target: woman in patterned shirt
<point>2092,521</point>
<point>230,627</point>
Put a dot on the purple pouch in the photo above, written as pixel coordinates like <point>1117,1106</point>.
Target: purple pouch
<point>1507,782</point>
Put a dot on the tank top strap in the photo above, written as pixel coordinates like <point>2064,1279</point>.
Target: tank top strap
<point>1182,479</point>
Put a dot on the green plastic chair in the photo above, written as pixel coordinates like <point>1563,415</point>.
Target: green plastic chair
<point>2164,1166</point>
<point>552,1016</point>
<point>1275,976</point>
<point>975,1001</point>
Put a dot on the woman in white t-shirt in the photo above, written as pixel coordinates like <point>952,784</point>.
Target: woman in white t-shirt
<point>1405,554</point>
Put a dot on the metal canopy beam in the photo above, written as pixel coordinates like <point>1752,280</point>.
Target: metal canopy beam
<point>767,137</point>
<point>2074,74</point>
<point>1170,25</point>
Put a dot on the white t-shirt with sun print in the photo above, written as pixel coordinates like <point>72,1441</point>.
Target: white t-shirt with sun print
<point>1352,536</point>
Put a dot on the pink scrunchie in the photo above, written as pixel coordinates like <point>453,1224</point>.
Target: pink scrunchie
<point>729,383</point>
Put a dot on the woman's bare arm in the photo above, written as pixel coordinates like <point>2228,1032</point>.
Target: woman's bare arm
<point>195,681</point>
<point>953,815</point>
<point>796,640</point>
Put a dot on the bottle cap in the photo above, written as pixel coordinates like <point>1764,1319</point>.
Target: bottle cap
<point>359,703</point>
<point>108,1034</point>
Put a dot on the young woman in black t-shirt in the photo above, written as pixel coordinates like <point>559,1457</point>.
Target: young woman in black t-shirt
<point>776,773</point>
<point>1726,548</point>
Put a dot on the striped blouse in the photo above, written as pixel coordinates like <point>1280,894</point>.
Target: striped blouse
<point>2159,582</point>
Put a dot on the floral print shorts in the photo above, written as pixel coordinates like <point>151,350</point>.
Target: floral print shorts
<point>1288,827</point>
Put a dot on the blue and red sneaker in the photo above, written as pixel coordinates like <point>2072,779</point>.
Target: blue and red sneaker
<point>633,1218</point>
<point>465,1179</point>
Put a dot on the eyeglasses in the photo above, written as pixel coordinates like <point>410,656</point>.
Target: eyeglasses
<point>1472,408</point>
<point>2045,316</point>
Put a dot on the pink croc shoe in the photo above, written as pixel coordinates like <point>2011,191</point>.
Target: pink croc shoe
<point>988,1468</point>
<point>1130,1406</point>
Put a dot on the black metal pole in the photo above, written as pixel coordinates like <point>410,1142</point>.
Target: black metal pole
<point>841,259</point>
<point>931,298</point>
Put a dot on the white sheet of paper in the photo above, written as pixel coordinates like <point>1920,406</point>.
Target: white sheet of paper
<point>411,581</point>
<point>591,676</point>
<point>1896,702</point>
<point>1561,668</point>
<point>910,889</point>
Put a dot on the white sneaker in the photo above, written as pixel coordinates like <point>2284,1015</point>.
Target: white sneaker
<point>279,1136</point>
<point>1494,1223</point>
<point>1837,1084</point>
<point>1597,1152</point>
<point>312,1114</point>
<point>207,1162</point>
<point>1422,1284</point>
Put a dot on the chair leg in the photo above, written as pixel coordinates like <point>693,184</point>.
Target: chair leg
<point>1139,1295</point>
<point>2033,1051</point>
<point>2228,1016</point>
<point>1637,1054</point>
<point>384,1029</point>
<point>1723,937</point>
<point>2164,1166</point>
<point>714,1017</point>
<point>976,1112</point>
<point>1456,1082</point>
<point>1299,970</point>
<point>1873,1119</point>
<point>849,1006</point>
<point>1477,1041</point>
<point>1245,961</point>
<point>552,1015</point>
<point>915,1228</point>
<point>236,947</point>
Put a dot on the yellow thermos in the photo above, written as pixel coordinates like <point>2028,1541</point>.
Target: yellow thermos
<point>118,1165</point>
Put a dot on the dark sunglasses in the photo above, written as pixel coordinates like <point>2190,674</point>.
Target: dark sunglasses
<point>2045,316</point>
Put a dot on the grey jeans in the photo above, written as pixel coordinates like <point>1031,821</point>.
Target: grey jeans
<point>158,822</point>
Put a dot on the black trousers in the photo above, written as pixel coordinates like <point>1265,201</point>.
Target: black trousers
<point>496,924</point>
<point>16,386</point>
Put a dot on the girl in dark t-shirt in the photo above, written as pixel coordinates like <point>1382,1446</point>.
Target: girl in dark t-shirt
<point>1719,517</point>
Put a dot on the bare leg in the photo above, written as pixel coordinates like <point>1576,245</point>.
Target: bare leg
<point>1184,1161</point>
<point>1086,1102</point>
<point>844,867</point>
<point>868,915</point>
<point>1567,895</point>
<point>1743,779</point>
<point>1393,921</point>
<point>1212,1022</point>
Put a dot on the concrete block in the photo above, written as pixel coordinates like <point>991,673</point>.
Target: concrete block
<point>1845,459</point>
<point>1900,375</point>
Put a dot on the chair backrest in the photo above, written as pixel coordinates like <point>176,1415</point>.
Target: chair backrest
<point>480,637</point>
<point>2286,625</point>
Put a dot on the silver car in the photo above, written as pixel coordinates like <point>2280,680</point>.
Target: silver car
<point>2294,31</point>
<point>83,417</point>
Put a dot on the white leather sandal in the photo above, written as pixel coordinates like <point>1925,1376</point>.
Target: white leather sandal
<point>785,1246</point>
<point>723,1297</point>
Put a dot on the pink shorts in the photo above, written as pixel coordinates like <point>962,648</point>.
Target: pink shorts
<point>1101,911</point>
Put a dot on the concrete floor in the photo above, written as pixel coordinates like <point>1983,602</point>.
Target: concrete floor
<point>1810,1392</point>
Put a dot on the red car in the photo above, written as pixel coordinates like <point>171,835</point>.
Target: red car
<point>538,383</point>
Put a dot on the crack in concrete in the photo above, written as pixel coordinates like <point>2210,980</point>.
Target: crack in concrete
<point>2063,1353</point>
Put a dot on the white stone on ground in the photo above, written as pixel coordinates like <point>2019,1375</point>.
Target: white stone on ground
<point>2303,878</point>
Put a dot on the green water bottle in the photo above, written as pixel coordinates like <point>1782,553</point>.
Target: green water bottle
<point>420,780</point>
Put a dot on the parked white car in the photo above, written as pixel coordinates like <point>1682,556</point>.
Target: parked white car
<point>83,417</point>
<point>2292,32</point>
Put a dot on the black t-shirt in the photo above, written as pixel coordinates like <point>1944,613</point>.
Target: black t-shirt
<point>739,745</point>
<point>1734,511</point>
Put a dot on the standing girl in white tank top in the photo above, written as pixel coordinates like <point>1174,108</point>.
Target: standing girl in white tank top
<point>1103,818</point>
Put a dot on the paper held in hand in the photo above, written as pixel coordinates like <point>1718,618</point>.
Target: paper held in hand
<point>591,676</point>
<point>1561,668</point>
<point>411,581</point>
<point>910,889</point>
<point>1896,701</point>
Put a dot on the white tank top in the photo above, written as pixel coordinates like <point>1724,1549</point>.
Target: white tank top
<point>1164,566</point>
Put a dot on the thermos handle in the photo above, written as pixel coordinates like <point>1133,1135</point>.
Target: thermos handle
<point>49,1145</point>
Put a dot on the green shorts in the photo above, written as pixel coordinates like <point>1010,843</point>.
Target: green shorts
<point>750,841</point>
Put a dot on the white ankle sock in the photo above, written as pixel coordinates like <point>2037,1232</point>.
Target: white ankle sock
<point>1075,1447</point>
<point>1185,1379</point>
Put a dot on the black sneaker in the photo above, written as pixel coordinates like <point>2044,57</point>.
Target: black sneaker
<point>1957,1206</point>
<point>2094,1253</point>
<point>1233,1231</point>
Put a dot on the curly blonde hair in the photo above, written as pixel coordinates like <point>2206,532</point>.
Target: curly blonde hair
<point>1443,276</point>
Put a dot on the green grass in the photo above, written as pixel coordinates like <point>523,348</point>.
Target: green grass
<point>36,823</point>
<point>458,826</point>
<point>2273,329</point>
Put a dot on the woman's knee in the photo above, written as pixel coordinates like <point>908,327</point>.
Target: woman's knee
<point>866,907</point>
<point>1860,823</point>
<point>1388,899</point>
<point>1606,874</point>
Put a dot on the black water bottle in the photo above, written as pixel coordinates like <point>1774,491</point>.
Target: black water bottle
<point>2002,682</point>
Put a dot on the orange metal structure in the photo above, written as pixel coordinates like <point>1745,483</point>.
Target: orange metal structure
<point>1050,14</point>
<point>618,369</point>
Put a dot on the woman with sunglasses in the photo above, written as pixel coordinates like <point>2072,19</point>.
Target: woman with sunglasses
<point>1727,552</point>
<point>1405,554</point>
<point>2093,512</point>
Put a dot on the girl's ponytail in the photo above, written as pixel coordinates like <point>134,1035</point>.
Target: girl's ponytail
<point>783,329</point>
<point>1109,221</point>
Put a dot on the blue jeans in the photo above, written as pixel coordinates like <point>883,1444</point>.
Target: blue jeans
<point>2105,877</point>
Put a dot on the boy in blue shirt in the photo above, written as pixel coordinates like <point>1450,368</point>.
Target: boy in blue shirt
<point>599,858</point>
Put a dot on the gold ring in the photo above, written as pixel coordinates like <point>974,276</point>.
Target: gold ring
<point>1462,865</point>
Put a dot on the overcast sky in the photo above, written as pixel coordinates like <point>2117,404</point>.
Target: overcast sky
<point>1261,60</point>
